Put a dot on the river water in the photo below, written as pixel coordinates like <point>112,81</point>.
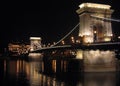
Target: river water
<point>25,72</point>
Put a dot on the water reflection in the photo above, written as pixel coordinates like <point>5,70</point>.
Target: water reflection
<point>100,79</point>
<point>32,73</point>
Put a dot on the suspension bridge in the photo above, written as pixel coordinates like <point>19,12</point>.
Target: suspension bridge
<point>94,46</point>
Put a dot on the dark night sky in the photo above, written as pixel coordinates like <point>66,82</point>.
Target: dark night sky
<point>49,19</point>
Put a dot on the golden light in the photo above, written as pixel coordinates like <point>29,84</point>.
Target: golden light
<point>93,5</point>
<point>31,49</point>
<point>80,35</point>
<point>111,34</point>
<point>88,39</point>
<point>54,43</point>
<point>34,38</point>
<point>54,65</point>
<point>87,33</point>
<point>79,54</point>
<point>63,42</point>
<point>72,37</point>
<point>95,31</point>
<point>107,39</point>
<point>118,37</point>
<point>77,41</point>
<point>35,55</point>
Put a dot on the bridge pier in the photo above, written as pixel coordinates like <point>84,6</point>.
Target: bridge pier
<point>98,60</point>
<point>94,30</point>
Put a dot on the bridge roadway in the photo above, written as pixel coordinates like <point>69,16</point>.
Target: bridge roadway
<point>94,46</point>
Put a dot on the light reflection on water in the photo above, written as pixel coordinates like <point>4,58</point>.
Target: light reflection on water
<point>100,79</point>
<point>31,73</point>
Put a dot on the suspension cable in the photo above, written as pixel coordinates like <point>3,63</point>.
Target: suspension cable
<point>66,35</point>
<point>109,19</point>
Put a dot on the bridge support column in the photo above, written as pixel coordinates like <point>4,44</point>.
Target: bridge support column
<point>99,61</point>
<point>92,29</point>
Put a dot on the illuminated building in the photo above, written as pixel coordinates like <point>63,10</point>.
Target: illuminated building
<point>16,49</point>
<point>92,28</point>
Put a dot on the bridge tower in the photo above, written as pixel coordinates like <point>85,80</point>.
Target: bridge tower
<point>92,28</point>
<point>35,43</point>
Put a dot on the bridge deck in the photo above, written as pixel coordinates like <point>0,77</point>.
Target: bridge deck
<point>101,46</point>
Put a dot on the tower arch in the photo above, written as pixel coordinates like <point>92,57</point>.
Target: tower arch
<point>93,29</point>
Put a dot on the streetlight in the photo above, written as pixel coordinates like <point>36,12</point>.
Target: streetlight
<point>63,42</point>
<point>72,39</point>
